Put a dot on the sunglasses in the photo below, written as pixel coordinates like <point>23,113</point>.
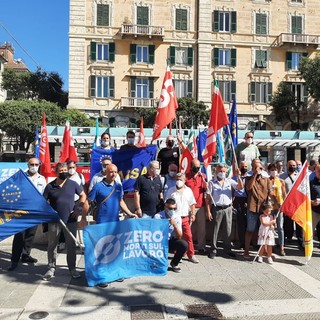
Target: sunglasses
<point>34,164</point>
<point>104,165</point>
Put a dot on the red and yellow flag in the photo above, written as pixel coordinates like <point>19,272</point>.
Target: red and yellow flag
<point>297,206</point>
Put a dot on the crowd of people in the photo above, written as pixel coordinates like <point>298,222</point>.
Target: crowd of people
<point>248,202</point>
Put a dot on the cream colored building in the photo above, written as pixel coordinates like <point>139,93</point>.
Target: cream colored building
<point>119,51</point>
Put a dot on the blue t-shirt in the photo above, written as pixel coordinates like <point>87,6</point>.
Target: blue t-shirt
<point>108,211</point>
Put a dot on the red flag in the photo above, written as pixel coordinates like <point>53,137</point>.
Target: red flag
<point>141,140</point>
<point>44,152</point>
<point>167,106</point>
<point>68,151</point>
<point>297,206</point>
<point>186,158</point>
<point>218,119</point>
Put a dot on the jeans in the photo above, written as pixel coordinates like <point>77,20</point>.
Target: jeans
<point>179,247</point>
<point>280,230</point>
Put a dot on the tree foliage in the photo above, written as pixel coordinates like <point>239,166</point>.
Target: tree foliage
<point>38,86</point>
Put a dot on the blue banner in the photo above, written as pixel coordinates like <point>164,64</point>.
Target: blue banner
<point>131,163</point>
<point>125,249</point>
<point>8,169</point>
<point>201,143</point>
<point>233,123</point>
<point>22,206</point>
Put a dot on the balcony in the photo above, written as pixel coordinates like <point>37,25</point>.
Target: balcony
<point>141,30</point>
<point>128,102</point>
<point>296,38</point>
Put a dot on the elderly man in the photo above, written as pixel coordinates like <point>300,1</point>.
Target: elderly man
<point>167,155</point>
<point>22,241</point>
<point>169,180</point>
<point>186,209</point>
<point>60,194</point>
<point>220,198</point>
<point>148,191</point>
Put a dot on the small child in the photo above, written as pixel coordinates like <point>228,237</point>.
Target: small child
<point>266,233</point>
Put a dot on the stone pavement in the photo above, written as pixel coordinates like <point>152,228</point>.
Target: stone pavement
<point>222,288</point>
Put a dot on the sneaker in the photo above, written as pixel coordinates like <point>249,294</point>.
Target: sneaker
<point>75,274</point>
<point>175,268</point>
<point>62,246</point>
<point>212,255</point>
<point>103,284</point>
<point>282,253</point>
<point>49,274</point>
<point>13,266</point>
<point>193,259</point>
<point>260,259</point>
<point>28,259</point>
<point>269,260</point>
<point>120,280</point>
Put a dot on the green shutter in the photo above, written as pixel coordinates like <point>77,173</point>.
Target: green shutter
<point>258,59</point>
<point>111,86</point>
<point>133,81</point>
<point>233,90</point>
<point>233,21</point>
<point>143,16</point>
<point>93,51</point>
<point>172,52</point>
<point>216,57</point>
<point>112,49</point>
<point>102,14</point>
<point>296,24</point>
<point>151,54</point>
<point>305,93</point>
<point>233,57</point>
<point>269,91</point>
<point>92,86</point>
<point>181,19</point>
<point>216,21</point>
<point>264,58</point>
<point>289,60</point>
<point>253,91</point>
<point>305,54</point>
<point>189,89</point>
<point>258,23</point>
<point>151,88</point>
<point>263,26</point>
<point>133,53</point>
<point>190,57</point>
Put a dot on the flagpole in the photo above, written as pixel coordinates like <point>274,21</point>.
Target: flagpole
<point>232,147</point>
<point>71,235</point>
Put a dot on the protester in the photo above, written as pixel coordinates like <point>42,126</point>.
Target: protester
<point>131,136</point>
<point>220,198</point>
<point>169,154</point>
<point>266,233</point>
<point>196,181</point>
<point>299,165</point>
<point>279,167</point>
<point>106,142</point>
<point>169,180</point>
<point>186,209</point>
<point>315,197</point>
<point>312,168</point>
<point>177,245</point>
<point>246,150</point>
<point>148,192</point>
<point>60,194</point>
<point>22,241</point>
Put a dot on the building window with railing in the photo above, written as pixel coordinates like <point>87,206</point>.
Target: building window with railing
<point>296,24</point>
<point>142,54</point>
<point>181,56</point>
<point>293,59</point>
<point>224,57</point>
<point>183,88</point>
<point>102,86</point>
<point>143,15</point>
<point>224,21</point>
<point>142,87</point>
<point>102,51</point>
<point>260,92</point>
<point>227,90</point>
<point>103,14</point>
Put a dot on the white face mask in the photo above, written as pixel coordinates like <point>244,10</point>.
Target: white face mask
<point>105,143</point>
<point>179,184</point>
<point>221,175</point>
<point>273,173</point>
<point>172,174</point>
<point>157,172</point>
<point>249,141</point>
<point>72,171</point>
<point>33,169</point>
<point>131,140</point>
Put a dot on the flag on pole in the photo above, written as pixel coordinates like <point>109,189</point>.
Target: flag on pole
<point>167,106</point>
<point>186,158</point>
<point>218,119</point>
<point>96,142</point>
<point>170,128</point>
<point>68,151</point>
<point>233,123</point>
<point>297,206</point>
<point>37,144</point>
<point>141,139</point>
<point>192,143</point>
<point>44,150</point>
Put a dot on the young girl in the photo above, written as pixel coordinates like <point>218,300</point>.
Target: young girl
<point>266,233</point>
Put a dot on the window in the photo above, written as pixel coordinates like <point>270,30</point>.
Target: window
<point>142,88</point>
<point>102,51</point>
<point>182,19</point>
<point>227,90</point>
<point>260,92</point>
<point>261,23</point>
<point>181,56</point>
<point>142,54</point>
<point>143,16</point>
<point>183,88</point>
<point>102,87</point>
<point>296,1</point>
<point>224,21</point>
<point>103,15</point>
<point>300,91</point>
<point>296,24</point>
<point>224,57</point>
<point>293,60</point>
<point>261,60</point>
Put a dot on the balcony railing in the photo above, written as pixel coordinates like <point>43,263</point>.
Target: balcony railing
<point>142,30</point>
<point>128,102</point>
<point>297,38</point>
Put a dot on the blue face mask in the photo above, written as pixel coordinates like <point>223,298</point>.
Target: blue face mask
<point>170,213</point>
<point>299,168</point>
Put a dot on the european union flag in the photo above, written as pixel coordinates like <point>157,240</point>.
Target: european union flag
<point>22,206</point>
<point>233,123</point>
<point>37,144</point>
<point>125,249</point>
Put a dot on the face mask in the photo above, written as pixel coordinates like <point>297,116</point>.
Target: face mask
<point>172,174</point>
<point>33,169</point>
<point>72,171</point>
<point>131,140</point>
<point>179,184</point>
<point>195,169</point>
<point>292,169</point>
<point>273,173</point>
<point>243,170</point>
<point>157,172</point>
<point>259,172</point>
<point>170,213</point>
<point>249,141</point>
<point>105,143</point>
<point>63,175</point>
<point>221,175</point>
<point>299,168</point>
<point>170,143</point>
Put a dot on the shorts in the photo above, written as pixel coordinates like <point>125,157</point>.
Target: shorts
<point>252,221</point>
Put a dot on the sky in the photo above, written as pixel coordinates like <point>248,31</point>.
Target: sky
<point>41,28</point>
